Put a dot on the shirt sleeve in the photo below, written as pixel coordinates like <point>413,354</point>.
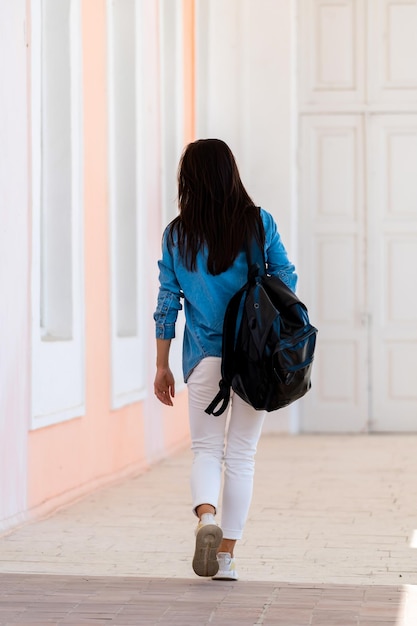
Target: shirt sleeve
<point>276,255</point>
<point>169,294</point>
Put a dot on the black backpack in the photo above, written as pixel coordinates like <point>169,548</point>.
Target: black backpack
<point>268,344</point>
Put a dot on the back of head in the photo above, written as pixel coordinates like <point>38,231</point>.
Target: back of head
<point>215,208</point>
<point>208,172</point>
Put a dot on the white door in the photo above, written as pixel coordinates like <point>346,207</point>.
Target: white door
<point>358,211</point>
<point>332,256</point>
<point>392,284</point>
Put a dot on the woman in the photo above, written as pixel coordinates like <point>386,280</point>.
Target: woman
<point>203,261</point>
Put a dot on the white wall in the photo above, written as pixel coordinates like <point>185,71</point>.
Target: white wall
<point>14,264</point>
<point>245,75</point>
<point>150,197</point>
<point>245,82</point>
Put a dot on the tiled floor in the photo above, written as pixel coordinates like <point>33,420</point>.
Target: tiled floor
<point>77,600</point>
<point>329,542</point>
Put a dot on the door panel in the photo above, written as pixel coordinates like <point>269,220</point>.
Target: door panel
<point>392,234</point>
<point>332,32</point>
<point>332,260</point>
<point>392,51</point>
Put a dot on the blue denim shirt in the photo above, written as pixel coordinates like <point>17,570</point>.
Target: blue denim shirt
<point>206,296</point>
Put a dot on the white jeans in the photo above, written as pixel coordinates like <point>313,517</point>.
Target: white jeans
<point>218,440</point>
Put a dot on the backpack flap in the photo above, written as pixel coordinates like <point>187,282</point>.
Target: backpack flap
<point>261,315</point>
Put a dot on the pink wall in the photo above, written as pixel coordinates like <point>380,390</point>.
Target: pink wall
<point>189,69</point>
<point>68,459</point>
<point>67,456</point>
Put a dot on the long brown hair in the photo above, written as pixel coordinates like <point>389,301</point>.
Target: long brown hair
<point>215,208</point>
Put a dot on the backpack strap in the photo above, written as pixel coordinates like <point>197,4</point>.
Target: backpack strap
<point>255,255</point>
<point>228,350</point>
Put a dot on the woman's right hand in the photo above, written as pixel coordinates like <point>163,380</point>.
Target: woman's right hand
<point>164,385</point>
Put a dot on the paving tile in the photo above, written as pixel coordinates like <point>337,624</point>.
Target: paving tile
<point>185,602</point>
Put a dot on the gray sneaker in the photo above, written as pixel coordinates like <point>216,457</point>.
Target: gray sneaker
<point>207,539</point>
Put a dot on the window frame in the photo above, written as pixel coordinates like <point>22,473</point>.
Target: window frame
<point>58,364</point>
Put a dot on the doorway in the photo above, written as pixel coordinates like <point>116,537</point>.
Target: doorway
<point>358,211</point>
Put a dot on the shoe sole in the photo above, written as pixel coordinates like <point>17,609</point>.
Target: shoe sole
<point>205,556</point>
<point>225,577</point>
